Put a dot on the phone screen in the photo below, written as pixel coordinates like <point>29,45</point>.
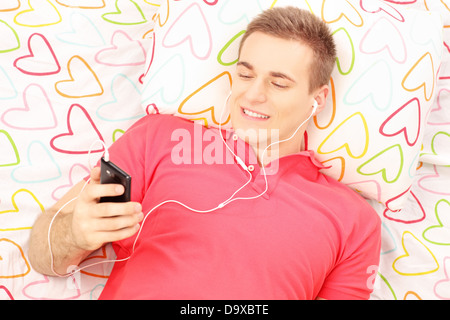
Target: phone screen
<point>110,173</point>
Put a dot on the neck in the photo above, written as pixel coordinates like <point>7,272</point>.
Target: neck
<point>278,150</point>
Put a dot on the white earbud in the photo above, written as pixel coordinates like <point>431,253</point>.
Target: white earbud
<point>315,106</point>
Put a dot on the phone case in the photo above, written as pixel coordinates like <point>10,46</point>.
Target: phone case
<point>110,173</point>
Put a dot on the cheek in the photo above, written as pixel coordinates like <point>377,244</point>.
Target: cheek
<point>291,114</point>
<point>238,89</point>
<point>287,107</point>
<point>234,110</point>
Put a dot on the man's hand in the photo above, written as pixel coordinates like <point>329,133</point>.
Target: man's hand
<point>83,226</point>
<point>94,223</point>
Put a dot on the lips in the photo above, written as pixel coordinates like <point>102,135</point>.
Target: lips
<point>254,115</point>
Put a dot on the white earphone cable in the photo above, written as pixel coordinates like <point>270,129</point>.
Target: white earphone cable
<point>220,206</point>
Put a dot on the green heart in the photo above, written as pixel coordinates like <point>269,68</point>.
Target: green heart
<point>15,47</point>
<point>440,226</point>
<point>110,16</point>
<point>14,148</point>
<point>383,170</point>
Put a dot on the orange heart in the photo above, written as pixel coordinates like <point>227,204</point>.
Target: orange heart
<point>422,69</point>
<point>87,5</point>
<point>211,106</point>
<point>15,253</point>
<point>347,11</point>
<point>101,255</point>
<point>83,82</point>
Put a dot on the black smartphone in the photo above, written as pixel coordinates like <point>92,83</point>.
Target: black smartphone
<point>110,173</point>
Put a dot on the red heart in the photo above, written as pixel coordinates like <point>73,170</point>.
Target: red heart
<point>414,111</point>
<point>394,13</point>
<point>401,216</point>
<point>8,293</point>
<point>86,133</point>
<point>26,64</point>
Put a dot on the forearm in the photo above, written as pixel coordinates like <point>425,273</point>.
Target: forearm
<point>81,226</point>
<point>64,252</point>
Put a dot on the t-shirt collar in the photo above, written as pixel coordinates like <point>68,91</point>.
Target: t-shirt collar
<point>244,151</point>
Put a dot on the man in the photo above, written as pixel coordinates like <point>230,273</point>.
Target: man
<point>221,230</point>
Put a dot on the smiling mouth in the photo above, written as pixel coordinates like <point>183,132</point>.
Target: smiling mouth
<point>254,115</point>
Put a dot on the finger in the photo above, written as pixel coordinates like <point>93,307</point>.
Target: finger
<point>110,210</point>
<point>112,224</point>
<point>118,235</point>
<point>95,175</point>
<point>94,192</point>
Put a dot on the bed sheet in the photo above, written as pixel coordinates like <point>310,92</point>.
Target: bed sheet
<point>415,257</point>
<point>63,86</point>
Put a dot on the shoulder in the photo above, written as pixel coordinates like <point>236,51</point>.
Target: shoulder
<point>161,122</point>
<point>350,207</point>
<point>149,134</point>
<point>155,127</point>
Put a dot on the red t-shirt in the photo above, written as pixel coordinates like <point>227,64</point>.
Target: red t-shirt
<point>309,236</point>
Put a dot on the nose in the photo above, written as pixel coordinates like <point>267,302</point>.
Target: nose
<point>256,92</point>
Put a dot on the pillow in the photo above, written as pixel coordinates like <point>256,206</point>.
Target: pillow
<point>382,88</point>
<point>69,75</point>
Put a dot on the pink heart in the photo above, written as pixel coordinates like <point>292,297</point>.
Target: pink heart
<point>86,133</point>
<point>440,288</point>
<point>435,117</point>
<point>376,40</point>
<point>37,113</point>
<point>41,61</point>
<point>199,38</point>
<point>121,43</point>
<point>35,290</point>
<point>430,183</point>
<point>76,173</point>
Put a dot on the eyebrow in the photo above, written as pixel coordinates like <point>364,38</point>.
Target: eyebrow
<point>273,73</point>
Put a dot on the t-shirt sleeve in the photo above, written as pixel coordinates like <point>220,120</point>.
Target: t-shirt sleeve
<point>132,151</point>
<point>353,276</point>
<point>127,154</point>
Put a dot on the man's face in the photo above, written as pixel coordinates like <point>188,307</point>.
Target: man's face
<point>271,88</point>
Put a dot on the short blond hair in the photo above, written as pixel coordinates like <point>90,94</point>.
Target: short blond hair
<point>292,23</point>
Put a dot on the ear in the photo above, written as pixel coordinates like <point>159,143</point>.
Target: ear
<point>321,96</point>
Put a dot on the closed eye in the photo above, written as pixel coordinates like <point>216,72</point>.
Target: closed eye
<point>278,85</point>
<point>245,76</point>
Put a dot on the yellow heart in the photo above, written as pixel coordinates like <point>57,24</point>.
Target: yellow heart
<point>42,14</point>
<point>407,260</point>
<point>356,120</point>
<point>16,209</point>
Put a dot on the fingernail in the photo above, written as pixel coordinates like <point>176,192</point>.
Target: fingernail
<point>120,189</point>
<point>137,208</point>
